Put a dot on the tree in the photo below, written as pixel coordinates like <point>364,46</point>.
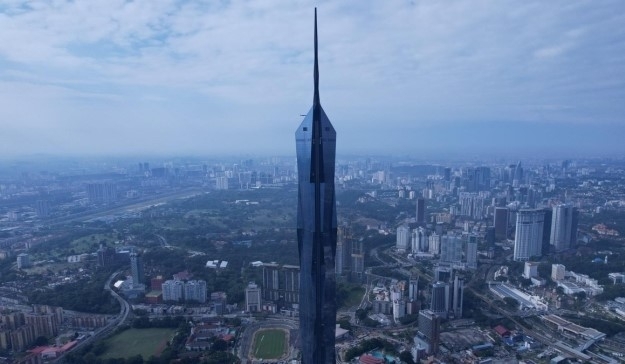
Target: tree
<point>406,357</point>
<point>41,341</point>
<point>511,303</point>
<point>220,345</point>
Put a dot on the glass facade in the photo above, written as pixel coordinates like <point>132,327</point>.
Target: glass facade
<point>316,231</point>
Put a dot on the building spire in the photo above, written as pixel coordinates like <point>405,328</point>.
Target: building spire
<point>316,75</point>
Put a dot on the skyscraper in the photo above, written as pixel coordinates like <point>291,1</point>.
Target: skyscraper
<point>420,210</point>
<point>472,252</point>
<point>136,268</point>
<point>529,234</point>
<point>429,326</point>
<point>403,238</point>
<point>563,236</point>
<point>451,249</point>
<point>343,250</point>
<point>316,229</point>
<point>501,223</point>
<point>440,299</point>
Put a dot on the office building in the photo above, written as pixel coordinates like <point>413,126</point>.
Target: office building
<point>253,296</point>
<point>547,231</point>
<point>403,238</point>
<point>440,299</point>
<point>563,227</point>
<point>136,268</point>
<point>316,230</point>
<point>420,213</point>
<point>501,223</point>
<point>529,234</point>
<point>443,273</point>
<point>429,326</point>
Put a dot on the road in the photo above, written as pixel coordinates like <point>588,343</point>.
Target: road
<point>103,332</point>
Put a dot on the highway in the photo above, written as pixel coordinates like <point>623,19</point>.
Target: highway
<point>103,332</point>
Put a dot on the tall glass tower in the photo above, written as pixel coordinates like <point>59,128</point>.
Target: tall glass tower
<point>316,230</point>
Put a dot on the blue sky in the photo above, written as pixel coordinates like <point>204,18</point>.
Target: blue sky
<point>403,77</point>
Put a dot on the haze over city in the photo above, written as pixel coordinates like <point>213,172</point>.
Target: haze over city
<point>118,77</point>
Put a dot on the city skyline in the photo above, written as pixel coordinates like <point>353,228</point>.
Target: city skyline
<point>188,78</point>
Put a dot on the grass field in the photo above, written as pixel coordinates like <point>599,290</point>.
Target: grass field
<point>269,344</point>
<point>132,342</point>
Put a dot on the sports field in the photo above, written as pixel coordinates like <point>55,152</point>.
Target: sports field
<point>269,344</point>
<point>132,342</point>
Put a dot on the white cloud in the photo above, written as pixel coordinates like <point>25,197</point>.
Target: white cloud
<point>250,62</point>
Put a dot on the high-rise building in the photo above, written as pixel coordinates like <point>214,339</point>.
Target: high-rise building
<point>429,326</point>
<point>440,299</point>
<point>419,240</point>
<point>316,230</point>
<point>403,238</point>
<point>343,250</point>
<point>173,290</point>
<point>457,297</point>
<point>451,249</point>
<point>102,192</point>
<point>420,204</point>
<point>563,227</point>
<point>195,291</point>
<point>517,178</point>
<point>358,260</point>
<point>23,261</point>
<point>136,268</point>
<point>281,284</point>
<point>529,234</point>
<point>413,288</point>
<point>472,252</point>
<point>501,223</point>
<point>547,230</point>
<point>253,298</point>
<point>43,208</point>
<point>434,243</point>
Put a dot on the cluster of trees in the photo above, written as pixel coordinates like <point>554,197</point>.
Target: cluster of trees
<point>144,322</point>
<point>93,298</point>
<point>363,316</point>
<point>368,345</point>
<point>610,328</point>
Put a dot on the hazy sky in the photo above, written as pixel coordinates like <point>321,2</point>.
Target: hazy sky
<point>115,77</point>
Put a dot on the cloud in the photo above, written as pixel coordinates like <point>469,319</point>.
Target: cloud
<point>249,64</point>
